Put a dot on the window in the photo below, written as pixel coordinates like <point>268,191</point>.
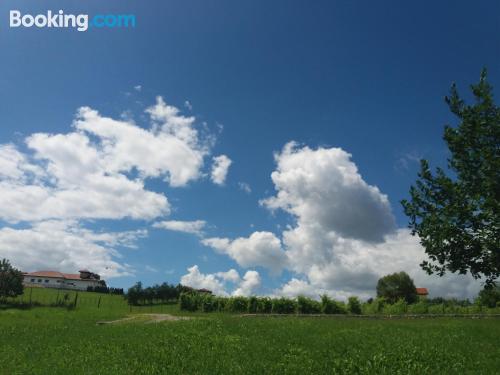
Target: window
<point>58,281</point>
<point>32,280</point>
<point>46,281</point>
<point>39,280</point>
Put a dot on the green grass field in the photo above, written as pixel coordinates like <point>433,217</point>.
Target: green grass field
<point>51,340</point>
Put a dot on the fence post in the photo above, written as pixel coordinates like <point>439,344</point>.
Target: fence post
<point>99,302</point>
<point>31,292</point>
<point>76,299</point>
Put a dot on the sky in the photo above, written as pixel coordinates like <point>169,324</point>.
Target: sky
<point>250,147</point>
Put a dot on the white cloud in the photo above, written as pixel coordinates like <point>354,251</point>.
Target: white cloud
<point>245,187</point>
<point>218,282</point>
<point>232,276</point>
<point>87,174</point>
<point>188,105</point>
<point>96,171</point>
<point>195,279</point>
<point>260,249</point>
<point>220,168</point>
<point>324,187</point>
<point>344,237</point>
<point>249,285</point>
<point>138,88</point>
<point>66,246</point>
<point>296,287</point>
<point>193,227</point>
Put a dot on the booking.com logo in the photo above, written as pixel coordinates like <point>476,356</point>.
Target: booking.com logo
<point>81,22</point>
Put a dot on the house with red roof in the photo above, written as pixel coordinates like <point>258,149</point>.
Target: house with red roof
<point>55,279</point>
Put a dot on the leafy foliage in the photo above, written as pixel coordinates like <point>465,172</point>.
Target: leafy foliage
<point>330,306</point>
<point>308,306</point>
<point>397,286</point>
<point>353,305</point>
<point>155,294</point>
<point>284,306</point>
<point>11,280</point>
<point>490,296</point>
<point>457,216</point>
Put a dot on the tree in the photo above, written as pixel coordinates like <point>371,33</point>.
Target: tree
<point>353,305</point>
<point>490,296</point>
<point>457,217</point>
<point>397,286</point>
<point>11,280</point>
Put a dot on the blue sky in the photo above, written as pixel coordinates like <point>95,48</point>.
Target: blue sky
<point>367,78</point>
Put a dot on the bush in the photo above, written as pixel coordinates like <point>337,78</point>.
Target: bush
<point>252,304</point>
<point>330,306</point>
<point>375,307</point>
<point>284,306</point>
<point>190,301</point>
<point>208,302</point>
<point>418,308</point>
<point>398,308</point>
<point>264,305</point>
<point>490,297</point>
<point>354,306</point>
<point>237,304</point>
<point>436,309</point>
<point>308,306</point>
<point>221,303</point>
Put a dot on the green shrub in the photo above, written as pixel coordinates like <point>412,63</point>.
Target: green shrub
<point>421,307</point>
<point>284,306</point>
<point>189,301</point>
<point>436,309</point>
<point>209,303</point>
<point>252,304</point>
<point>354,306</point>
<point>308,306</point>
<point>330,306</point>
<point>374,307</point>
<point>221,303</point>
<point>398,308</point>
<point>264,305</point>
<point>237,304</point>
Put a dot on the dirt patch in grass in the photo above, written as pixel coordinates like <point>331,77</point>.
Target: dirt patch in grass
<point>146,319</point>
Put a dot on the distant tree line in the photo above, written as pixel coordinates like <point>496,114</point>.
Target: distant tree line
<point>105,289</point>
<point>396,294</point>
<point>202,302</point>
<point>158,293</point>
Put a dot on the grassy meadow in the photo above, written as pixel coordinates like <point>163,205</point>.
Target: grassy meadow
<point>55,340</point>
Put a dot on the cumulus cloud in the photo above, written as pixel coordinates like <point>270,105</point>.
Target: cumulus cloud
<point>259,249</point>
<point>220,168</point>
<point>344,236</point>
<point>324,186</point>
<point>98,170</point>
<point>219,282</point>
<point>88,173</point>
<point>249,285</point>
<point>194,227</point>
<point>67,247</point>
<point>195,279</point>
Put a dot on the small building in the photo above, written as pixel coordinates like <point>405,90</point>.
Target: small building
<point>55,279</point>
<point>422,293</point>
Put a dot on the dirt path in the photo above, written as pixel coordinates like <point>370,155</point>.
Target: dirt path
<point>146,319</point>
